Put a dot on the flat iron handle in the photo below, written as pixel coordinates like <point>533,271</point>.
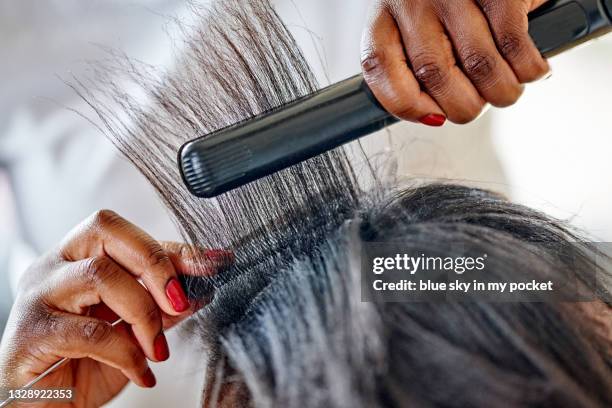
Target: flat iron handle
<point>346,111</point>
<point>562,24</point>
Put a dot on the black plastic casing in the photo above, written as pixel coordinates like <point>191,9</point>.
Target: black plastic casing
<point>560,25</point>
<point>341,113</point>
<point>298,131</point>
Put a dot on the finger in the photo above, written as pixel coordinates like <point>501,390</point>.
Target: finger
<point>388,75</point>
<point>100,280</point>
<point>106,233</point>
<point>510,25</point>
<point>191,261</point>
<point>482,63</point>
<point>76,337</point>
<point>431,56</point>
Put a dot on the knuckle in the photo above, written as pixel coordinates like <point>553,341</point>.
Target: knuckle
<point>479,67</point>
<point>510,46</point>
<point>373,62</point>
<point>47,323</point>
<point>105,218</point>
<point>97,269</point>
<point>431,75</point>
<point>157,256</point>
<point>95,332</point>
<point>527,65</point>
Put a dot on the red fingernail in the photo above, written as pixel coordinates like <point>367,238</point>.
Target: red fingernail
<point>148,379</point>
<point>176,295</point>
<point>160,348</point>
<point>433,120</point>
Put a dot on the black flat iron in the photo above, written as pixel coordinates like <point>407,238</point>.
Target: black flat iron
<point>242,153</point>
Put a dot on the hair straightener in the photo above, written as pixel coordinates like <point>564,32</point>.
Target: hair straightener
<point>255,148</point>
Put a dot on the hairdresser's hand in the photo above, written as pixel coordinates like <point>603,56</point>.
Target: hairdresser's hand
<point>68,299</point>
<point>428,60</point>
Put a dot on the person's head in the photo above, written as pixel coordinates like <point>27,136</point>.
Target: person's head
<point>287,326</point>
<point>308,340</point>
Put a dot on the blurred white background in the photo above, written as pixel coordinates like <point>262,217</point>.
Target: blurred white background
<point>550,151</point>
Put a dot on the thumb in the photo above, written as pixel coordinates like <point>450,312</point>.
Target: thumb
<point>192,261</point>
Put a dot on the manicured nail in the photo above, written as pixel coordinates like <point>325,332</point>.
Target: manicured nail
<point>148,379</point>
<point>176,295</point>
<point>433,119</point>
<point>160,348</point>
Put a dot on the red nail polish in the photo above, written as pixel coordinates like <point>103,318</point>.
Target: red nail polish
<point>160,348</point>
<point>433,120</point>
<point>176,295</point>
<point>149,379</point>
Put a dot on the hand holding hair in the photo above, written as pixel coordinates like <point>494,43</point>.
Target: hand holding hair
<point>106,269</point>
<point>429,60</point>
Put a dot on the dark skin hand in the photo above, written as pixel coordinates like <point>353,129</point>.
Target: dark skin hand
<point>431,60</point>
<point>105,269</point>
